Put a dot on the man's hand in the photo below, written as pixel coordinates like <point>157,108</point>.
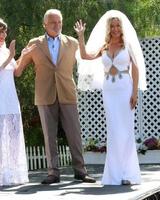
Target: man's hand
<point>24,60</point>
<point>27,50</point>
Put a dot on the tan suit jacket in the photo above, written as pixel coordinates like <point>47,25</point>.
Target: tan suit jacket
<point>53,81</point>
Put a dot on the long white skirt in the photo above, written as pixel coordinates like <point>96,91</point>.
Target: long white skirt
<point>121,160</point>
<point>13,164</point>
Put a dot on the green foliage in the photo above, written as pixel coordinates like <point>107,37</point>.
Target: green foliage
<point>25,17</point>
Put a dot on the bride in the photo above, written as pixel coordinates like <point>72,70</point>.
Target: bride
<point>114,49</point>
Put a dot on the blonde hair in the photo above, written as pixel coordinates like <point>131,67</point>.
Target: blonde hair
<point>108,32</point>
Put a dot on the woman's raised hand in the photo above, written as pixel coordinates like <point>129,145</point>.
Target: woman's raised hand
<point>80,27</point>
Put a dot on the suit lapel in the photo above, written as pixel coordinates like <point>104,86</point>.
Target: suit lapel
<point>62,49</point>
<point>43,45</point>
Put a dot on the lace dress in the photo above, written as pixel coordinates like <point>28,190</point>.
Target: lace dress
<point>13,164</point>
<point>121,160</point>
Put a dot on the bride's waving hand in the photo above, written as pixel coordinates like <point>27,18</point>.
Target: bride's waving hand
<point>80,28</point>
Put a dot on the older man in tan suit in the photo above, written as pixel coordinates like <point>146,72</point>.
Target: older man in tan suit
<point>53,55</point>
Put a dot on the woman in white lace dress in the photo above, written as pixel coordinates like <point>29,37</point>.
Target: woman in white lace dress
<point>114,41</point>
<point>13,164</point>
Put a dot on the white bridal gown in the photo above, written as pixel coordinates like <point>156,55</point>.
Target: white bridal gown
<point>121,160</point>
<point>13,165</point>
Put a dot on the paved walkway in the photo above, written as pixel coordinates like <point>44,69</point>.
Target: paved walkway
<point>69,189</point>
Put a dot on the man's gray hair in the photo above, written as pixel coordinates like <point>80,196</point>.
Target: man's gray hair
<point>52,11</point>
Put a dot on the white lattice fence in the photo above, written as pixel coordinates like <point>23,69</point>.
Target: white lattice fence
<point>150,99</point>
<point>147,115</point>
<point>92,116</point>
<point>36,157</point>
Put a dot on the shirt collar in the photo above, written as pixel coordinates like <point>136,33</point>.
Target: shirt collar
<point>56,38</point>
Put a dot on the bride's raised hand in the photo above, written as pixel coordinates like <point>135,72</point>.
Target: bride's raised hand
<point>80,27</point>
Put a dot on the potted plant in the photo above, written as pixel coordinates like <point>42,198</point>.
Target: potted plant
<point>93,152</point>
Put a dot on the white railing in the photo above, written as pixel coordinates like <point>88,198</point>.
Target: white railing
<point>36,157</point>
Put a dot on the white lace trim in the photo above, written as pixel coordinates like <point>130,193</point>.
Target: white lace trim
<point>13,164</point>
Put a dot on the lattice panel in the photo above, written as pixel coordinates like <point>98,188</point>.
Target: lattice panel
<point>150,109</point>
<point>147,115</point>
<point>92,116</point>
